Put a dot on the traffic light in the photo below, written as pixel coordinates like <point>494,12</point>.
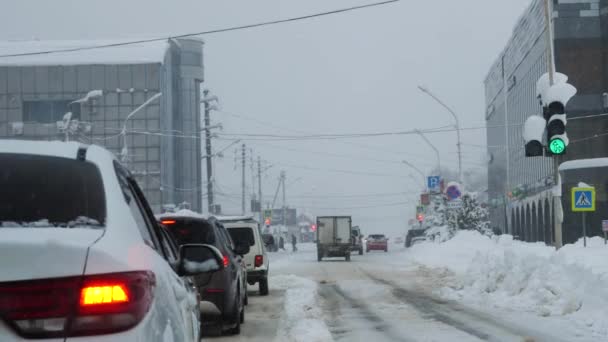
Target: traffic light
<point>420,217</point>
<point>313,227</point>
<point>556,99</point>
<point>552,127</point>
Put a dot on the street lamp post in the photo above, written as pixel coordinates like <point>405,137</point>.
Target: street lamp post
<point>124,153</point>
<point>67,118</point>
<point>428,92</point>
<point>417,170</point>
<point>433,147</point>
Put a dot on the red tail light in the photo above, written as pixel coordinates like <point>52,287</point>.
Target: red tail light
<point>167,222</point>
<point>259,260</point>
<point>77,306</point>
<point>226,261</point>
<point>214,290</point>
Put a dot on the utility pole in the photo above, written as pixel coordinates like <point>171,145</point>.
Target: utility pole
<point>557,201</point>
<point>208,152</point>
<point>243,184</point>
<point>260,188</point>
<point>283,177</point>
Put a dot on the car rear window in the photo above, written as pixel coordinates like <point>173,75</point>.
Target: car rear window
<point>42,191</point>
<point>376,237</point>
<point>244,234</point>
<point>187,231</point>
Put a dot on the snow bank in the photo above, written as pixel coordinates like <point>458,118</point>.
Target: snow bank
<point>500,272</point>
<point>302,320</point>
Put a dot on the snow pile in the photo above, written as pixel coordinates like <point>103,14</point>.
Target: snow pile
<point>531,277</point>
<point>302,320</point>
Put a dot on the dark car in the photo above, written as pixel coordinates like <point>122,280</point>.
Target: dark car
<point>413,236</point>
<point>222,293</point>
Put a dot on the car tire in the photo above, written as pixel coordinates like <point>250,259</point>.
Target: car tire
<point>347,256</point>
<point>385,250</point>
<point>264,286</point>
<point>246,300</point>
<point>360,251</point>
<point>242,316</point>
<point>236,319</point>
<point>319,255</point>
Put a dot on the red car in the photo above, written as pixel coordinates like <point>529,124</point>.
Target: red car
<point>377,242</point>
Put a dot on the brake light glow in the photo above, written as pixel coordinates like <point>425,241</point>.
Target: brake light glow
<point>77,306</point>
<point>167,221</point>
<point>259,260</point>
<point>226,261</point>
<point>95,295</point>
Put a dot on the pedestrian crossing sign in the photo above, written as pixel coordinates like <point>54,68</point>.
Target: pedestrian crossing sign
<point>583,199</point>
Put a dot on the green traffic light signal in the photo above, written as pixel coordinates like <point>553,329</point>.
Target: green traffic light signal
<point>557,146</point>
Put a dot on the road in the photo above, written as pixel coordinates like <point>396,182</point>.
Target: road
<point>367,300</point>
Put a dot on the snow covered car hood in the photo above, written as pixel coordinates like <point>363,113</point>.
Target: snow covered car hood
<point>39,253</point>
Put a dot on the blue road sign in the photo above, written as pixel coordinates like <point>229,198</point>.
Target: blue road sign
<point>583,199</point>
<point>453,192</point>
<point>433,183</point>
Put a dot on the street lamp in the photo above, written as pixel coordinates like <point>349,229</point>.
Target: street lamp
<point>417,170</point>
<point>124,153</point>
<point>67,118</point>
<point>433,147</point>
<point>429,93</point>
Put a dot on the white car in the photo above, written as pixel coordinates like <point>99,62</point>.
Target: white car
<point>248,230</point>
<point>82,258</point>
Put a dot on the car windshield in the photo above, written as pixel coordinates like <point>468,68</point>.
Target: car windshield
<point>190,231</point>
<point>242,235</point>
<point>39,191</point>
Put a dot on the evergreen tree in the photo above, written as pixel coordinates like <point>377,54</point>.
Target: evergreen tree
<point>471,216</point>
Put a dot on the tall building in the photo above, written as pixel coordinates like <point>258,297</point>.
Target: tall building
<point>161,143</point>
<point>519,187</point>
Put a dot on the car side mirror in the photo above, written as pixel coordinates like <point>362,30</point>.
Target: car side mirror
<point>242,249</point>
<point>198,259</point>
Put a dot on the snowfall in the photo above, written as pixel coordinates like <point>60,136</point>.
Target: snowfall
<point>528,283</point>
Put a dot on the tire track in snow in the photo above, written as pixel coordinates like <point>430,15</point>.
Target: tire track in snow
<point>360,318</point>
<point>459,317</point>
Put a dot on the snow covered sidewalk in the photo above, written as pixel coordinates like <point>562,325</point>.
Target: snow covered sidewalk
<point>302,319</point>
<point>570,284</point>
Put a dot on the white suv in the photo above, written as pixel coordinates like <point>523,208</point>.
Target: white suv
<point>81,254</point>
<point>246,229</point>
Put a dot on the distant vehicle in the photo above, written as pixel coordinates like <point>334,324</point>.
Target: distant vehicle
<point>334,237</point>
<point>415,236</point>
<point>398,240</point>
<point>223,294</point>
<point>357,240</point>
<point>270,243</point>
<point>82,256</point>
<point>377,242</point>
<point>248,230</point>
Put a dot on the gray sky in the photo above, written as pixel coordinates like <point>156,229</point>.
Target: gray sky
<point>348,73</point>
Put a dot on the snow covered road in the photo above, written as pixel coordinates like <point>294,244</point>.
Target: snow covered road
<point>378,297</point>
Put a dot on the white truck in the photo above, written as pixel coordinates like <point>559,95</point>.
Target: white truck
<point>334,237</point>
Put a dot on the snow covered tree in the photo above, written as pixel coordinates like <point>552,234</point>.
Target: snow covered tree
<point>471,216</point>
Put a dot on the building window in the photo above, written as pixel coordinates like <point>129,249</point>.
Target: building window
<point>48,111</point>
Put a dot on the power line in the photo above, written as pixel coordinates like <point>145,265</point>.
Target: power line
<point>228,29</point>
<point>359,207</point>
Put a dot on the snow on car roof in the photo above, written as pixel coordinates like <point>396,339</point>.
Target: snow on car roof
<point>235,218</point>
<point>583,163</point>
<point>42,148</point>
<point>182,213</point>
<point>150,52</point>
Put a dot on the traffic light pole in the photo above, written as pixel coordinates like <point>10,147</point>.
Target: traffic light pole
<point>557,201</point>
<point>208,156</point>
<point>260,188</point>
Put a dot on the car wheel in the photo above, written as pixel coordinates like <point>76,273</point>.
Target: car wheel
<point>348,256</point>
<point>264,286</point>
<point>385,250</point>
<point>360,251</point>
<point>242,318</point>
<point>246,301</point>
<point>236,319</point>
